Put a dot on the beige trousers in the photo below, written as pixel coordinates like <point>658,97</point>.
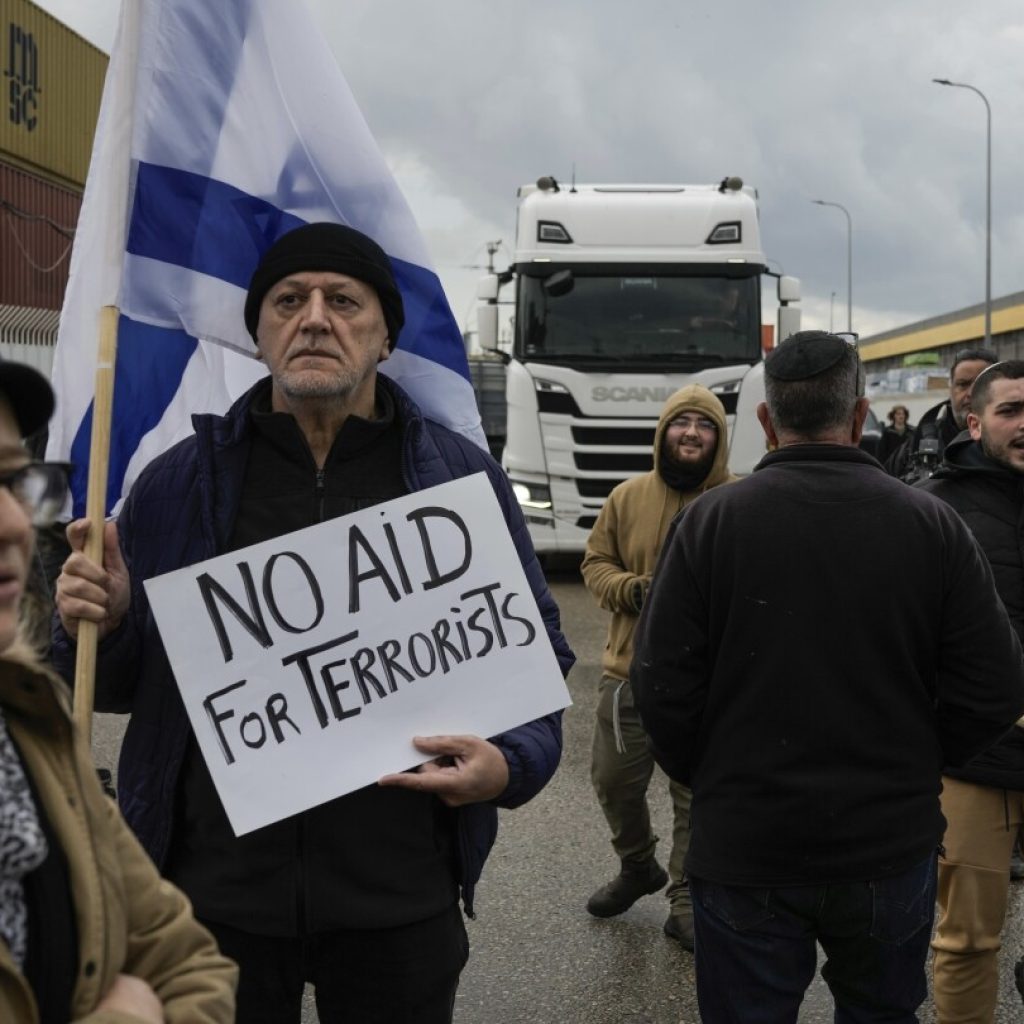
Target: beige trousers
<point>974,878</point>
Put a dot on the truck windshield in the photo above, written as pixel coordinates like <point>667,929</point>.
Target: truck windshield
<point>579,317</point>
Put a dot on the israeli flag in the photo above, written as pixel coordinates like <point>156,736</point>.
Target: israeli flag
<point>223,125</point>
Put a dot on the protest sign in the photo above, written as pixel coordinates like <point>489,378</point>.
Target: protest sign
<point>307,663</point>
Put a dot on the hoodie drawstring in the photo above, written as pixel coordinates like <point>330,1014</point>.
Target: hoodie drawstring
<point>620,743</point>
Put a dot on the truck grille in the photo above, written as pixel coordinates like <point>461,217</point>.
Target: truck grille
<point>591,488</point>
<point>634,437</point>
<point>614,462</point>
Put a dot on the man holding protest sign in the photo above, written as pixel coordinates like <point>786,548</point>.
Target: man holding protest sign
<point>359,894</point>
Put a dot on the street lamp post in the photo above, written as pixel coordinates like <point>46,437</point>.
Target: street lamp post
<point>849,259</point>
<point>988,200</point>
<point>831,310</point>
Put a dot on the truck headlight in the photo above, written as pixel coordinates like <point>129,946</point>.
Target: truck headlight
<point>532,495</point>
<point>552,387</point>
<point>726,232</point>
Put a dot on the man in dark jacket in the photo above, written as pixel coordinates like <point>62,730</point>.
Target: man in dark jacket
<point>919,456</point>
<point>812,724</point>
<point>982,477</point>
<point>358,896</point>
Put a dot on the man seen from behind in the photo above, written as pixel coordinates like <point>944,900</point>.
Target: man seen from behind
<point>811,723</point>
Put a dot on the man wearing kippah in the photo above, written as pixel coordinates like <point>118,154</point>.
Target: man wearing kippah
<point>810,721</point>
<point>691,452</point>
<point>358,896</point>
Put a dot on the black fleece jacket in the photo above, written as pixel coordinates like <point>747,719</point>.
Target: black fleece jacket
<point>811,719</point>
<point>990,500</point>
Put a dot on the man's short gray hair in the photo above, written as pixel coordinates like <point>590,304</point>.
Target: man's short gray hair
<point>818,404</point>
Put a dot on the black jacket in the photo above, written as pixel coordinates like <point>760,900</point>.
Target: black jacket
<point>990,500</point>
<point>812,722</point>
<point>891,441</point>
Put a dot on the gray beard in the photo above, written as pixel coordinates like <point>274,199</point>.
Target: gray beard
<point>296,386</point>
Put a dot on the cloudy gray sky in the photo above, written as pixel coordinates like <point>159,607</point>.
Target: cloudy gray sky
<point>803,99</point>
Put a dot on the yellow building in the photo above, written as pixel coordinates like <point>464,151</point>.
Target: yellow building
<point>945,334</point>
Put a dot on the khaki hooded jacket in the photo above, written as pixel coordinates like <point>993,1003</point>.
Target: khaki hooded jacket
<point>130,921</point>
<point>624,545</point>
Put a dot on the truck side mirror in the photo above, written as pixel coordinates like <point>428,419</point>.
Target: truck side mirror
<point>789,321</point>
<point>789,289</point>
<point>487,311</point>
<point>487,325</point>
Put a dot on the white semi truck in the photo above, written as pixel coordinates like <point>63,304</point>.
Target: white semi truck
<point>623,294</point>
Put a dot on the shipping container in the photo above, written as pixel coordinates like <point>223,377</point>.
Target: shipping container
<point>52,84</point>
<point>37,223</point>
<point>29,336</point>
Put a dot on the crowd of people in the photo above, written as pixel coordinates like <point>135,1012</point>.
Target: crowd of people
<point>837,766</point>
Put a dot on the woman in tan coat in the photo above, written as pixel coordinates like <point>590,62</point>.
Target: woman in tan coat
<point>89,931</point>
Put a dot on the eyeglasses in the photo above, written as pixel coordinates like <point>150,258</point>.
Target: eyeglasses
<point>41,488</point>
<point>701,423</point>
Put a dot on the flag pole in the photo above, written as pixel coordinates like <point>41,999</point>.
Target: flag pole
<point>95,510</point>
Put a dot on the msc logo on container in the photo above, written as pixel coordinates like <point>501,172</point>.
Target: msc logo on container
<point>624,394</point>
<point>23,71</point>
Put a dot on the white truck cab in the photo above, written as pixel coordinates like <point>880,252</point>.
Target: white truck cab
<point>623,294</point>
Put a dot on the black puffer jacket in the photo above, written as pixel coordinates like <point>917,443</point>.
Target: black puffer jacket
<point>990,500</point>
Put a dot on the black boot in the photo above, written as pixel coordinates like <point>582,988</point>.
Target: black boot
<point>680,928</point>
<point>635,880</point>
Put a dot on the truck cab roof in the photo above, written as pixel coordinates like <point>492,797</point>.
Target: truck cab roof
<point>638,223</point>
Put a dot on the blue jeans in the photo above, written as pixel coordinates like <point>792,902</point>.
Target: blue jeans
<point>756,952</point>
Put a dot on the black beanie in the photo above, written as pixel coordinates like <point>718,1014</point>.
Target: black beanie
<point>327,247</point>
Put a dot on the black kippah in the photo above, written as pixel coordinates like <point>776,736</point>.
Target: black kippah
<point>332,247</point>
<point>804,355</point>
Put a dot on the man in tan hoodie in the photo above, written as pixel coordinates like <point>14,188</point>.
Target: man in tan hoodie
<point>690,456</point>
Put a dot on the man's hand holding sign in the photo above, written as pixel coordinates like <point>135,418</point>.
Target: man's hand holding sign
<point>465,770</point>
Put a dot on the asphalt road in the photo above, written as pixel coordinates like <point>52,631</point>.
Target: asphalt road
<point>536,956</point>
